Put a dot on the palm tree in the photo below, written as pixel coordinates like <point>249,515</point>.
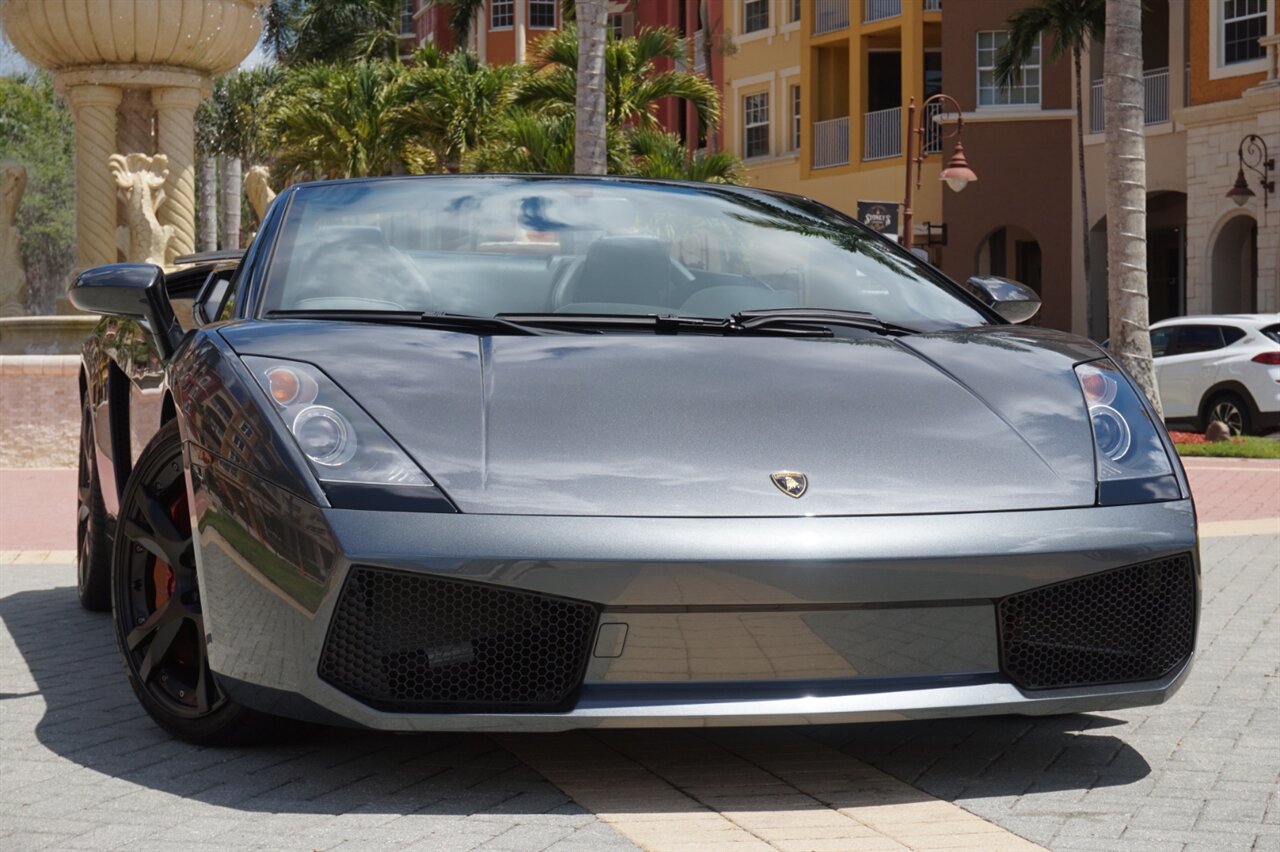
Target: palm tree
<point>663,155</point>
<point>337,121</point>
<point>230,125</point>
<point>333,30</point>
<point>1071,24</point>
<point>633,85</point>
<point>462,13</point>
<point>1122,93</point>
<point>453,101</point>
<point>590,139</point>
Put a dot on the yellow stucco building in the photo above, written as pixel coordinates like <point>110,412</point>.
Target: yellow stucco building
<point>815,97</point>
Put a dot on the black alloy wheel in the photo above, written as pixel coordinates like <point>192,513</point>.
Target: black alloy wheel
<point>93,550</point>
<point>156,600</point>
<point>1231,410</point>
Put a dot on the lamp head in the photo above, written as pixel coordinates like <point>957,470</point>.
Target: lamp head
<point>957,174</point>
<point>1240,193</point>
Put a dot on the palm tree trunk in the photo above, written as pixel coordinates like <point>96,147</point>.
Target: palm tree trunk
<point>230,202</point>
<point>1127,194</point>
<point>207,188</point>
<point>1084,200</point>
<point>704,15</point>
<point>589,145</point>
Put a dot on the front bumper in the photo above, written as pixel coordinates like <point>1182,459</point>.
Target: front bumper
<point>729,621</point>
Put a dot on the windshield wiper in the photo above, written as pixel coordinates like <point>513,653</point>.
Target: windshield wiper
<point>800,318</point>
<point>657,323</point>
<point>447,322</point>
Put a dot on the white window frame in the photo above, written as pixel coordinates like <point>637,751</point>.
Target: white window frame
<point>797,105</point>
<point>555,14</point>
<point>979,68</point>
<point>1217,39</point>
<point>510,9</point>
<point>748,124</point>
<point>768,17</point>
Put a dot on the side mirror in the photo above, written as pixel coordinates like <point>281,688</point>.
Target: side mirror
<point>1011,299</point>
<point>133,290</point>
<point>212,294</point>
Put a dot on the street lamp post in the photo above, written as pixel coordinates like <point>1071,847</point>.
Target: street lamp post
<point>957,174</point>
<point>1253,155</point>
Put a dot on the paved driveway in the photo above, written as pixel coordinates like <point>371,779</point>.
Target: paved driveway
<point>82,768</point>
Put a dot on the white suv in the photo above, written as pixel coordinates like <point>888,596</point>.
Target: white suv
<point>1223,367</point>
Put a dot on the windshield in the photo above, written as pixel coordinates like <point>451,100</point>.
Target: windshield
<point>484,246</point>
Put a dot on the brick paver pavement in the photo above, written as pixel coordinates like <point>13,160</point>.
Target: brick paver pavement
<point>1201,772</point>
<point>81,767</point>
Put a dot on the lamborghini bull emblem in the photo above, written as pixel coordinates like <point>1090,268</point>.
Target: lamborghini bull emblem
<point>790,483</point>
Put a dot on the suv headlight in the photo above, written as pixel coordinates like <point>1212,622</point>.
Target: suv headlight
<point>1132,464</point>
<point>353,458</point>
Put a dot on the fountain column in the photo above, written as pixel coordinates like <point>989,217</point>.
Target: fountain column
<point>95,106</point>
<point>175,122</point>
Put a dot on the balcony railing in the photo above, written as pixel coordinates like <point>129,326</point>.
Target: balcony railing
<point>882,134</point>
<point>932,130</point>
<point>933,5</point>
<point>1155,100</point>
<point>831,143</point>
<point>830,15</point>
<point>878,10</point>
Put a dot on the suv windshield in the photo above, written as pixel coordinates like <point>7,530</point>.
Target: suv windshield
<point>481,246</point>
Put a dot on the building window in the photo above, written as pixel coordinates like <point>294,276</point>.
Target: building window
<point>755,125</point>
<point>502,14</point>
<point>795,11</point>
<point>542,14</point>
<point>755,15</point>
<point>1243,23</point>
<point>406,17</point>
<point>1023,89</point>
<point>795,118</point>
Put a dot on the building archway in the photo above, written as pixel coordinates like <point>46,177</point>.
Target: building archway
<point>1233,266</point>
<point>1166,261</point>
<point>1011,252</point>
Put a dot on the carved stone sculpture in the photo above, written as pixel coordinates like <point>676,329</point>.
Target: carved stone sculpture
<point>13,275</point>
<point>257,185</point>
<point>140,184</point>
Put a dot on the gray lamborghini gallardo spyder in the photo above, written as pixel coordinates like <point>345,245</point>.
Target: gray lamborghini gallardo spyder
<point>538,453</point>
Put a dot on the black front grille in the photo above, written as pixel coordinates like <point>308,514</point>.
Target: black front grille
<point>417,643</point>
<point>1128,624</point>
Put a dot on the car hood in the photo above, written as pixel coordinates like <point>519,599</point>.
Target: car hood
<point>695,425</point>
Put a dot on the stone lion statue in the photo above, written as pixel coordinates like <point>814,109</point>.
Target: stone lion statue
<point>257,186</point>
<point>140,183</point>
<point>13,275</point>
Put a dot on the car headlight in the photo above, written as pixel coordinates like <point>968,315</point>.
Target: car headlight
<point>342,443</point>
<point>1132,464</point>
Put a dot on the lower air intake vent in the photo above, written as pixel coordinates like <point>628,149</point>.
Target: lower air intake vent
<point>417,643</point>
<point>1129,624</point>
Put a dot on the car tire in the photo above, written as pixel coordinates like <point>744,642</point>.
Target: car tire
<point>156,607</point>
<point>1231,410</point>
<point>93,548</point>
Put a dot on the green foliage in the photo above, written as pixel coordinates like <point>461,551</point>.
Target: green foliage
<point>340,121</point>
<point>662,155</point>
<point>234,120</point>
<point>634,87</point>
<point>461,15</point>
<point>528,141</point>
<point>36,129</point>
<point>300,32</point>
<point>1239,448</point>
<point>1069,23</point>
<point>453,102</point>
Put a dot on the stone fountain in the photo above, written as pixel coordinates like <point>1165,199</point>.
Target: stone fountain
<point>134,72</point>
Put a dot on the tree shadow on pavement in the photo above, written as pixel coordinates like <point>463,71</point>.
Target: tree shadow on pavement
<point>92,718</point>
